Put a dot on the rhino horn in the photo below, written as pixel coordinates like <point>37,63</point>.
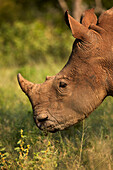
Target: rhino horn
<point>78,30</point>
<point>25,85</point>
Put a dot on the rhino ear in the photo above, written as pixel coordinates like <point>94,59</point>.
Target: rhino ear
<point>88,18</point>
<point>106,20</point>
<point>78,30</point>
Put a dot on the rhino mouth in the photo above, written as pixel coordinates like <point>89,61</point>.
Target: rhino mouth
<point>47,126</point>
<point>46,122</point>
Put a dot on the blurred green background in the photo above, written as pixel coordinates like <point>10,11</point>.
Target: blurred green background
<point>35,41</point>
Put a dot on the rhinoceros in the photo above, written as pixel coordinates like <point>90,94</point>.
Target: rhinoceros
<point>83,83</point>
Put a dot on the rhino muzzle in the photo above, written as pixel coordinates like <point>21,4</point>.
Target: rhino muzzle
<point>42,117</point>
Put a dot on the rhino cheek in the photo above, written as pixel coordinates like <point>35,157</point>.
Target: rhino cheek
<point>67,118</point>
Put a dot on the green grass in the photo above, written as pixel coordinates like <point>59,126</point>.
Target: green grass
<point>87,145</point>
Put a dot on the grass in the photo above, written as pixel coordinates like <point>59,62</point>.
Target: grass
<point>87,145</point>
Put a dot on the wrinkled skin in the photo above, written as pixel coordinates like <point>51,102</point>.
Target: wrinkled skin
<point>84,82</point>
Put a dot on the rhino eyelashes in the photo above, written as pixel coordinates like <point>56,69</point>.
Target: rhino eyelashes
<point>62,84</point>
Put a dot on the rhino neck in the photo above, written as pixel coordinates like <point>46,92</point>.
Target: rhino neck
<point>110,79</point>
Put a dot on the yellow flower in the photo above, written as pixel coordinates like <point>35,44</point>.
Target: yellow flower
<point>49,143</point>
<point>20,153</point>
<point>28,146</point>
<point>21,131</point>
<point>22,148</point>
<point>26,157</point>
<point>3,160</point>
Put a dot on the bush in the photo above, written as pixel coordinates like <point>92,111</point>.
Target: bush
<point>23,44</point>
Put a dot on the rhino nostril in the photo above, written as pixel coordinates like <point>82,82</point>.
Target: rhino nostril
<point>42,117</point>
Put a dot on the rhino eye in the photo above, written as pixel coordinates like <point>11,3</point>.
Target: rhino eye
<point>62,84</point>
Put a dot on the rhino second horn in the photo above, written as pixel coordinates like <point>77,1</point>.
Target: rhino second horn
<point>25,85</point>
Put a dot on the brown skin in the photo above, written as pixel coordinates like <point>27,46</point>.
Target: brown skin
<point>84,82</point>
